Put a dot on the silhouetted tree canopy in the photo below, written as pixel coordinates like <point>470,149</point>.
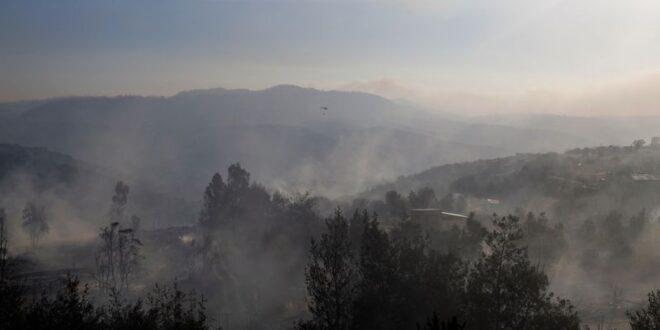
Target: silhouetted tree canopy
<point>165,308</point>
<point>505,291</point>
<point>647,318</point>
<point>330,278</point>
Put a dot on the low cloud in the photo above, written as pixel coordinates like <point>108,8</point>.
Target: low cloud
<point>637,95</point>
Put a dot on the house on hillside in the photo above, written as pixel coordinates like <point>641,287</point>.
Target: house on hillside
<point>655,142</point>
<point>437,218</point>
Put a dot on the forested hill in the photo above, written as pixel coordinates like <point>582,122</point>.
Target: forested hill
<point>75,192</point>
<point>578,182</point>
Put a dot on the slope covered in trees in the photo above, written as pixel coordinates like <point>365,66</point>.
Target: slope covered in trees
<point>578,182</point>
<point>590,216</point>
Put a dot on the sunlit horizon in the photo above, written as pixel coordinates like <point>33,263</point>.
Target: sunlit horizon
<point>477,57</point>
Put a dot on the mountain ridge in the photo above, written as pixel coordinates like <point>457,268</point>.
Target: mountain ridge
<point>176,143</point>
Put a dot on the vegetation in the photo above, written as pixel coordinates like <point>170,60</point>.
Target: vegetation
<point>165,308</point>
<point>118,256</point>
<point>505,291</point>
<point>330,278</point>
<point>401,282</point>
<point>378,268</point>
<point>649,317</point>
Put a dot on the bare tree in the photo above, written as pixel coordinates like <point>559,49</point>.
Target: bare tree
<point>129,256</point>
<point>105,257</point>
<point>119,201</point>
<point>35,222</point>
<point>118,257</point>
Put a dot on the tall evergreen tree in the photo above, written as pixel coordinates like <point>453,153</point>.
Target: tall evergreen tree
<point>330,278</point>
<point>237,178</point>
<point>378,280</point>
<point>505,291</point>
<point>214,202</point>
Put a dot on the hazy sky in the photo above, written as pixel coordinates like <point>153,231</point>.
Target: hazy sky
<point>476,55</point>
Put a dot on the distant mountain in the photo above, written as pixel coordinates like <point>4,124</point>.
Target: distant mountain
<point>291,138</point>
<point>76,194</point>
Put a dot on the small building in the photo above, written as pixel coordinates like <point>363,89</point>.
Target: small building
<point>655,142</point>
<point>493,201</point>
<point>437,218</point>
<point>645,177</point>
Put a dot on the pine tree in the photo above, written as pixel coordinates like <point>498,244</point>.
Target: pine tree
<point>505,291</point>
<point>330,278</point>
<point>215,196</point>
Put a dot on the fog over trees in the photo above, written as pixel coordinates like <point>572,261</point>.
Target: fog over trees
<point>308,262</point>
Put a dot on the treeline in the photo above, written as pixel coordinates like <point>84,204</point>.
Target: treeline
<point>385,281</point>
<point>545,239</point>
<point>397,206</point>
<point>165,308</point>
<point>605,244</point>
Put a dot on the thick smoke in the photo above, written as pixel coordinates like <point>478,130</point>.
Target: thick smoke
<point>294,141</point>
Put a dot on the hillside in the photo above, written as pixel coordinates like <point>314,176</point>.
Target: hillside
<point>577,183</point>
